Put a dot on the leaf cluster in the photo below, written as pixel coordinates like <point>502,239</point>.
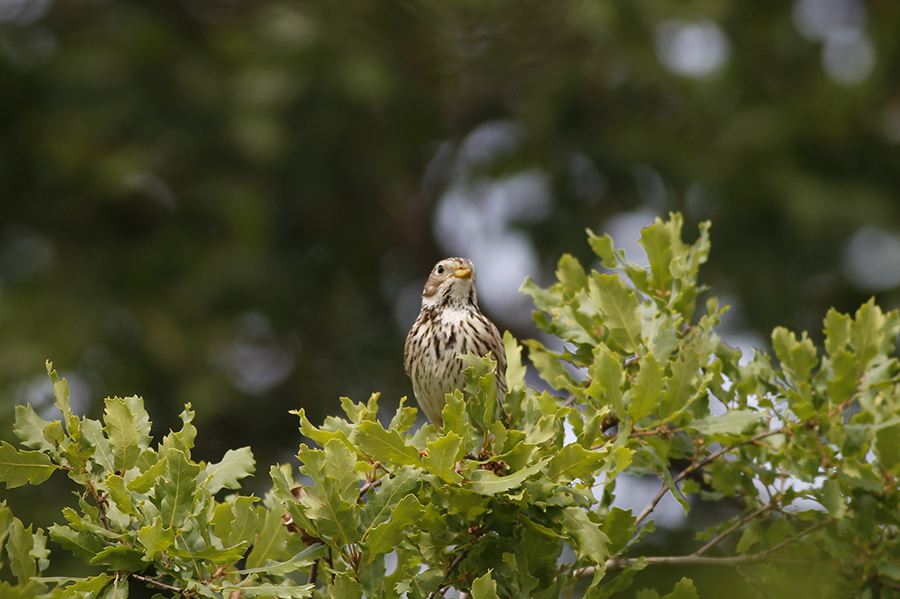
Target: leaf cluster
<point>803,447</point>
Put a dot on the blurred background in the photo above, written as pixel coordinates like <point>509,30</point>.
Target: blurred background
<point>235,203</point>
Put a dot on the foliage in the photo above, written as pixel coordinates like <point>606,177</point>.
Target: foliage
<point>806,448</point>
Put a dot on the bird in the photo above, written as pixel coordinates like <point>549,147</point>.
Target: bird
<point>449,324</point>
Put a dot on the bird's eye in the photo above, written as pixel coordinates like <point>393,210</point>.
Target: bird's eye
<point>440,269</point>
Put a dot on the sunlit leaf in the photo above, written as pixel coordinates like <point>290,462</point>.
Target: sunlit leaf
<point>574,461</point>
<point>385,446</point>
<point>235,465</point>
<point>620,310</point>
<point>484,587</point>
<point>648,389</point>
<point>128,429</point>
<point>732,422</point>
<point>443,453</point>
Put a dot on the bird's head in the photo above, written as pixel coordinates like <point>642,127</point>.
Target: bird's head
<point>451,282</point>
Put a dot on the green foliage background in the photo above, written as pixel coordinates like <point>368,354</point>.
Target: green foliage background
<point>169,168</point>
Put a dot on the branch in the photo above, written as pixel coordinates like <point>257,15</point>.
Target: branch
<point>700,464</point>
<point>460,557</point>
<point>734,527</point>
<point>159,585</point>
<point>695,559</point>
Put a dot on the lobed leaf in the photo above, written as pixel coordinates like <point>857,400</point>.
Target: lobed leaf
<point>235,465</point>
<point>385,446</point>
<point>20,467</point>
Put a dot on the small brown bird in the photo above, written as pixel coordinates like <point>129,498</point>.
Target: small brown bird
<point>449,325</point>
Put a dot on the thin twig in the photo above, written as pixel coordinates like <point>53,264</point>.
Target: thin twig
<point>700,464</point>
<point>460,557</point>
<point>369,484</point>
<point>617,563</point>
<point>158,584</point>
<point>734,527</point>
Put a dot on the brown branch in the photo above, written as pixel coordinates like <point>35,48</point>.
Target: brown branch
<point>369,484</point>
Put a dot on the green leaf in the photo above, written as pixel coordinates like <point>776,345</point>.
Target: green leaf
<point>344,587</point>
<point>156,539</point>
<point>184,439</point>
<point>574,461</point>
<point>833,500</point>
<point>301,560</point>
<point>750,537</point>
<point>485,482</point>
<point>88,587</point>
<point>657,241</point>
<point>887,446</point>
<point>619,528</point>
<point>571,274</point>
<point>619,305</point>
<point>174,495</point>
<point>515,370</point>
<point>386,536</point>
<point>216,555</point>
<point>648,389</point>
<point>607,377</point>
<point>30,427</point>
<point>117,590</point>
<point>837,331</point>
<point>341,465</point>
<point>684,589</point>
<point>119,493</point>
<point>20,467</point>
<point>120,557</point>
<point>92,432</point>
<point>144,482</point>
<point>266,591</point>
<point>733,422</point>
<point>18,548</point>
<point>867,331</point>
<point>798,358</point>
<point>128,429</point>
<point>682,385</point>
<point>271,540</point>
<point>333,516</point>
<point>590,542</point>
<point>79,543</point>
<point>443,454</point>
<point>385,446</point>
<point>235,465</point>
<point>392,490</point>
<point>236,521</point>
<point>603,247</point>
<point>484,587</point>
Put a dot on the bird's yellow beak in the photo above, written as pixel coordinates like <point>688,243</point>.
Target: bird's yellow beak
<point>462,272</point>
